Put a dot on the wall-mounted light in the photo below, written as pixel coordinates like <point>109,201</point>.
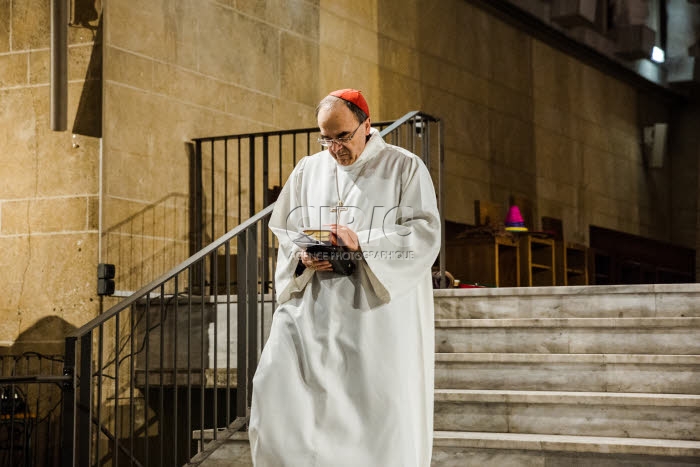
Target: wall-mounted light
<point>658,55</point>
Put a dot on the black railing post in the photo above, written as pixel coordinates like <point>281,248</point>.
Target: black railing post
<point>68,412</point>
<point>265,169</point>
<point>242,331</point>
<point>252,308</point>
<point>85,401</point>
<point>251,177</point>
<point>196,200</point>
<point>441,201</point>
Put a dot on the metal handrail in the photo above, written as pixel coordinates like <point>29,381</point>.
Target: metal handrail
<point>134,297</point>
<point>84,420</point>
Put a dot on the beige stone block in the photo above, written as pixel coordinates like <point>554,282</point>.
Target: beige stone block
<point>466,165</point>
<point>348,38</point>
<point>166,218</point>
<point>156,175</point>
<point>507,182</point>
<point>593,105</point>
<point>398,21</point>
<point>621,105</point>
<point>131,114</point>
<point>93,220</point>
<point>438,30</point>
<point>5,25</point>
<point>398,58</point>
<point>461,194</point>
<point>53,286</point>
<point>564,193</point>
<point>362,12</point>
<point>399,95</point>
<point>553,78</point>
<point>473,53</point>
<point>17,144</point>
<point>121,180</point>
<point>624,145</point>
<point>252,49</point>
<point>547,116</point>
<point>129,69</point>
<point>138,26</point>
<point>466,141</point>
<point>594,136</point>
<point>250,104</point>
<point>61,168</point>
<point>299,69</point>
<point>44,215</point>
<point>512,142</point>
<point>13,70</point>
<point>467,85</point>
<point>559,121</point>
<point>623,185</point>
<point>465,123</point>
<point>39,66</point>
<point>8,333</point>
<point>299,16</point>
<point>438,73</point>
<point>117,215</point>
<point>138,259</point>
<point>288,115</point>
<point>143,28</point>
<point>186,86</point>
<point>558,157</point>
<point>513,68</point>
<point>603,204</point>
<point>78,61</point>
<point>598,170</point>
<point>182,27</point>
<point>340,71</point>
<point>31,27</point>
<point>508,101</point>
<point>13,262</point>
<point>429,67</point>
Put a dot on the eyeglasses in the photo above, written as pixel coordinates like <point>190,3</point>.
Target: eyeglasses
<point>328,142</point>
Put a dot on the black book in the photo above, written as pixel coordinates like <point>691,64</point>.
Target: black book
<point>342,260</point>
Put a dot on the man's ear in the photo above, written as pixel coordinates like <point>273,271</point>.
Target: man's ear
<point>368,126</point>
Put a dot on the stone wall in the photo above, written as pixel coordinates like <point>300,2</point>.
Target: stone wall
<point>48,188</point>
<point>175,70</point>
<point>521,119</point>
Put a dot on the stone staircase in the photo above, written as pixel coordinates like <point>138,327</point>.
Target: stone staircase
<point>561,376</point>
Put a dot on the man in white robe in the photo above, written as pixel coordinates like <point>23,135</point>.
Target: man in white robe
<point>346,376</point>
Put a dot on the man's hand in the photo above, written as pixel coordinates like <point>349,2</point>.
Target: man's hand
<point>343,236</point>
<point>315,264</point>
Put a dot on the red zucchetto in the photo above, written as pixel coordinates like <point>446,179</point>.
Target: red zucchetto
<point>354,96</point>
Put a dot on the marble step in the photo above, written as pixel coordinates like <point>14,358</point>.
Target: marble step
<point>609,301</point>
<point>479,449</point>
<point>663,416</point>
<point>570,335</point>
<point>671,374</point>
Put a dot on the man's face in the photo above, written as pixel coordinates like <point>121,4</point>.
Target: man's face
<point>339,122</point>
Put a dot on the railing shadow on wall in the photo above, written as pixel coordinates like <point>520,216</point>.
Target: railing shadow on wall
<point>150,240</point>
<point>165,376</point>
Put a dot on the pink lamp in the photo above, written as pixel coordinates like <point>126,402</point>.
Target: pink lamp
<point>514,220</point>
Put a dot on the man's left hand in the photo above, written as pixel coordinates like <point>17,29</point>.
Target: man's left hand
<point>343,236</point>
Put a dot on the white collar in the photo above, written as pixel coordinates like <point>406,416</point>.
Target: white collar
<point>374,146</point>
